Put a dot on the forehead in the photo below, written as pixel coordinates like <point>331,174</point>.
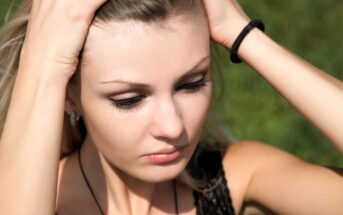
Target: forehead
<point>134,49</point>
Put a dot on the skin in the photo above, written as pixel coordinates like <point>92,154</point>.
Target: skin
<point>161,120</point>
<point>255,170</point>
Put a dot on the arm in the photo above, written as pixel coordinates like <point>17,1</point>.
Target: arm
<point>31,139</point>
<point>30,147</point>
<point>262,173</point>
<point>317,95</point>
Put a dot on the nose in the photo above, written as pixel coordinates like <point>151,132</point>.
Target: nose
<point>167,120</point>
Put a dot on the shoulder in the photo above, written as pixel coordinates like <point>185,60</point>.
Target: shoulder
<point>266,174</point>
<point>255,153</point>
<point>250,156</point>
<point>72,195</point>
<point>66,177</point>
<point>244,159</point>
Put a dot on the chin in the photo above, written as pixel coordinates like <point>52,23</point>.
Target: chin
<point>161,173</point>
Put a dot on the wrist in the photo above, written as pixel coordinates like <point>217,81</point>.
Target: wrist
<point>237,43</point>
<point>232,30</point>
<point>41,79</point>
<point>43,74</point>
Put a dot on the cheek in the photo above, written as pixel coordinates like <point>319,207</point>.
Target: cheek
<point>195,110</point>
<point>112,130</point>
<point>121,132</point>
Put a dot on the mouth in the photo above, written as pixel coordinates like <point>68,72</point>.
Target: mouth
<point>165,155</point>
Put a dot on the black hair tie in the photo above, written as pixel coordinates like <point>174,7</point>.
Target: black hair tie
<point>234,49</point>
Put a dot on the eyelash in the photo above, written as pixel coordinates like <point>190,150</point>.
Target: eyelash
<point>132,102</point>
<point>127,103</point>
<point>193,86</point>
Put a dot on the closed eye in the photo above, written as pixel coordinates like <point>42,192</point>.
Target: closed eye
<point>192,85</point>
<point>189,87</point>
<point>127,103</point>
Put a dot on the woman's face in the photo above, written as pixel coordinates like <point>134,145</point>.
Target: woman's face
<point>145,88</point>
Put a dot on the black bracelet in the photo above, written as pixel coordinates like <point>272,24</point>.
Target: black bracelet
<point>234,49</point>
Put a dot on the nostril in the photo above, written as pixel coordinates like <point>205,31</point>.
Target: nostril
<point>167,121</point>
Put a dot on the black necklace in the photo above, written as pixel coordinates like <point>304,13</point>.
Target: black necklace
<point>96,201</point>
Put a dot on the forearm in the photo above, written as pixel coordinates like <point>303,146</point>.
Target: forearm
<point>30,146</point>
<point>318,96</point>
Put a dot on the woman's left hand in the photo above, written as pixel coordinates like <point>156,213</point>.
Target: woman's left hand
<point>226,20</point>
<point>316,94</point>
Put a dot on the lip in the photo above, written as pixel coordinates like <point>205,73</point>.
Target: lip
<point>164,155</point>
<point>166,150</point>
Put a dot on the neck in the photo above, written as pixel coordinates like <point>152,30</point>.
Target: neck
<point>116,190</point>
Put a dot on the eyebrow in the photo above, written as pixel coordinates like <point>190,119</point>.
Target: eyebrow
<point>141,85</point>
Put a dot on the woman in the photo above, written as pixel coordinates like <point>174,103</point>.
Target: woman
<point>138,75</point>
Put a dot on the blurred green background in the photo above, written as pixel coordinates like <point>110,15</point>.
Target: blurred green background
<point>250,108</point>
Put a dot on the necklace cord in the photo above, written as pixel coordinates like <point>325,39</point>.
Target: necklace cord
<point>96,201</point>
<point>175,198</point>
<point>87,182</point>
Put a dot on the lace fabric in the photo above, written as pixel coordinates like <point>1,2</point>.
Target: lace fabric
<point>214,198</point>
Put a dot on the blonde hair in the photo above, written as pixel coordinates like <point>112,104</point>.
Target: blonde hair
<point>12,36</point>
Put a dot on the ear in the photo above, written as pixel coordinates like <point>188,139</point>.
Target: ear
<point>72,103</point>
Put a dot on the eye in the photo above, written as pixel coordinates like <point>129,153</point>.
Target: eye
<point>195,85</point>
<point>127,103</point>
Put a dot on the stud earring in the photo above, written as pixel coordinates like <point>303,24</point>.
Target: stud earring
<point>74,119</point>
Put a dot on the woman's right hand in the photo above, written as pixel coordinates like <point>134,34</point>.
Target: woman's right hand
<point>55,35</point>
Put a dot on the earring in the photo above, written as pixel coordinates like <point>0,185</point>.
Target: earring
<point>74,119</point>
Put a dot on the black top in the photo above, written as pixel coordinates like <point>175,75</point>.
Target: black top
<point>214,198</point>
